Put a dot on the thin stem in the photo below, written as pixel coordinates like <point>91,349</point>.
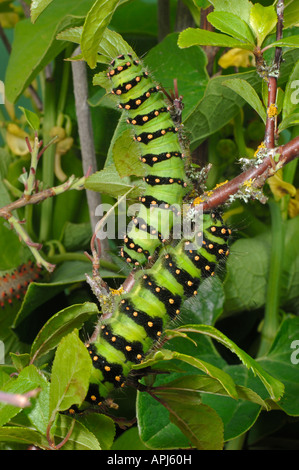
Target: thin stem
<point>271,319</point>
<point>163,19</point>
<point>48,158</point>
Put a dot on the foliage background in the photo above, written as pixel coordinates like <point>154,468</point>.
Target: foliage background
<point>221,127</point>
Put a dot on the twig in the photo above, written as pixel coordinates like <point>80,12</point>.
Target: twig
<point>163,19</point>
<point>16,399</point>
<point>260,173</point>
<point>86,137</point>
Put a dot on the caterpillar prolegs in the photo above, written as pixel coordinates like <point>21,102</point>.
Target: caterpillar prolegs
<point>140,316</point>
<point>160,151</point>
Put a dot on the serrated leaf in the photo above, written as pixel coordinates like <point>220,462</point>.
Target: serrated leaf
<point>35,45</point>
<point>23,435</point>
<point>240,8</point>
<point>290,41</point>
<point>262,21</point>
<point>274,387</point>
<point>248,93</point>
<point>97,19</point>
<point>59,325</point>
<point>200,37</point>
<point>108,181</point>
<point>26,381</point>
<point>209,369</point>
<point>81,438</point>
<point>37,7</point>
<point>231,24</point>
<point>32,118</point>
<point>71,372</point>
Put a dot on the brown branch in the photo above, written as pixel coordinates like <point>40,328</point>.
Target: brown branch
<point>287,153</point>
<point>36,198</point>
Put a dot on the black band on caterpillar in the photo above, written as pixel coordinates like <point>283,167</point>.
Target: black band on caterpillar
<point>147,109</point>
<point>146,137</point>
<point>142,119</point>
<point>152,159</point>
<point>153,180</point>
<point>141,316</point>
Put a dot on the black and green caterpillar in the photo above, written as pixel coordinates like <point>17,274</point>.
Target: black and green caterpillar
<point>135,321</point>
<point>160,151</point>
<point>140,316</point>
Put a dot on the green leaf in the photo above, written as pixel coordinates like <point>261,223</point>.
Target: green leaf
<point>289,121</point>
<point>199,423</point>
<point>37,7</point>
<point>290,41</point>
<point>59,325</point>
<point>262,21</point>
<point>26,381</point>
<point>101,426</point>
<point>108,181</point>
<point>248,93</point>
<point>291,14</point>
<point>32,118</point>
<point>231,24</point>
<point>240,8</point>
<point>274,387</point>
<point>71,372</point>
<point>80,439</point>
<point>282,362</point>
<point>209,369</point>
<point>23,435</point>
<point>97,19</point>
<point>192,77</point>
<point>35,45</point>
<point>200,37</point>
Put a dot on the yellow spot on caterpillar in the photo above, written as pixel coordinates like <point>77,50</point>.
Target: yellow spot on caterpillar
<point>117,378</point>
<point>107,368</point>
<point>128,348</point>
<point>150,324</point>
<point>95,358</point>
<point>113,339</point>
<point>139,356</point>
<point>171,301</point>
<point>93,397</point>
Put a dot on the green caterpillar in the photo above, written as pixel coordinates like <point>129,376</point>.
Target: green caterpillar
<point>160,151</point>
<point>140,316</point>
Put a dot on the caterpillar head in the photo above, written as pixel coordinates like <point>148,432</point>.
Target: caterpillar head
<point>106,296</point>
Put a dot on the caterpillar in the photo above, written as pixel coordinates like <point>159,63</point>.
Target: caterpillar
<point>141,315</point>
<point>160,152</point>
<point>13,285</point>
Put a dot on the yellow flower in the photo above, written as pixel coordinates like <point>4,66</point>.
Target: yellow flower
<point>15,139</point>
<point>293,207</point>
<point>279,187</point>
<point>237,58</point>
